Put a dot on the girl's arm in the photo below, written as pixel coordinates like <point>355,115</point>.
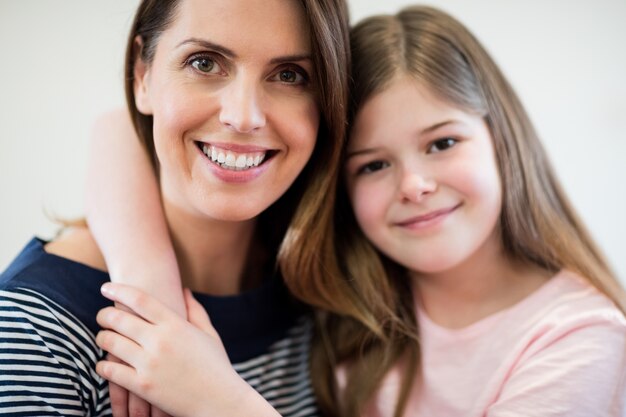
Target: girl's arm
<point>125,215</point>
<point>194,378</point>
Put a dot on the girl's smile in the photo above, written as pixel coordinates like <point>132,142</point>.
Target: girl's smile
<point>427,221</point>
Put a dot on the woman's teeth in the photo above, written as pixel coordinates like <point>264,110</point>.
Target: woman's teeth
<point>233,160</point>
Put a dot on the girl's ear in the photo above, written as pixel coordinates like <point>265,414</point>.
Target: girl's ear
<point>141,74</point>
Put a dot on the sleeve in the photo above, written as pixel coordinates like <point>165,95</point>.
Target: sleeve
<point>47,360</point>
<point>581,372</point>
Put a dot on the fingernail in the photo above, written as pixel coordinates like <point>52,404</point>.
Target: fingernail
<point>106,289</point>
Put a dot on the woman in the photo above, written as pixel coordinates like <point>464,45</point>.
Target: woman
<point>272,97</point>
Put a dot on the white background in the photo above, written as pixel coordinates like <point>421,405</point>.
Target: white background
<point>61,66</point>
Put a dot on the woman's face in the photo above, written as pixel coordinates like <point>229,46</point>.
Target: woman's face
<point>235,112</point>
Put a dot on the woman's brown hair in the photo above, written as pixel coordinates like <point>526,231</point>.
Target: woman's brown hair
<point>370,323</point>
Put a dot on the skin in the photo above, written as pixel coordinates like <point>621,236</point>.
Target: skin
<point>438,201</point>
<point>144,339</point>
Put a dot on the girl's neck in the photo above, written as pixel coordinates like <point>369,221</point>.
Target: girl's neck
<point>211,254</point>
<point>487,282</point>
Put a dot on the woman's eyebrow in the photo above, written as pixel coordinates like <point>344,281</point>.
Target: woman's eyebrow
<point>291,58</point>
<point>231,54</point>
<point>209,45</point>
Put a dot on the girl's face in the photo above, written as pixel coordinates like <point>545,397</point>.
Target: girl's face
<point>422,178</point>
<point>235,111</point>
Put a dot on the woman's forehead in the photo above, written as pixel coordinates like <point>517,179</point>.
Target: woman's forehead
<point>275,26</point>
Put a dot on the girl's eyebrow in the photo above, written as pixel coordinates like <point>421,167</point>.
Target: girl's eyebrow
<point>426,130</point>
<point>232,55</point>
<point>436,126</point>
<point>358,152</point>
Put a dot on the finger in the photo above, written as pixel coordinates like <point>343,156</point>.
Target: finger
<point>119,399</point>
<point>124,323</point>
<point>119,374</point>
<point>121,377</point>
<point>141,303</point>
<point>157,412</point>
<point>137,406</point>
<point>120,347</point>
<point>197,315</point>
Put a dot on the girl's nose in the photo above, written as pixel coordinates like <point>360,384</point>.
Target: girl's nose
<point>241,107</point>
<point>416,186</point>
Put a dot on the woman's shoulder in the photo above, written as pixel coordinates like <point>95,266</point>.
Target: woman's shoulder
<point>63,280</point>
<point>78,245</point>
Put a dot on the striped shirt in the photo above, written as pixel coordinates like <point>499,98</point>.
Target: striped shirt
<point>48,306</point>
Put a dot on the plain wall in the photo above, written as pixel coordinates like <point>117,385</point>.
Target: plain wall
<point>61,66</point>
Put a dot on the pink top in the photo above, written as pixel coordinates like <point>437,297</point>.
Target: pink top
<point>559,352</point>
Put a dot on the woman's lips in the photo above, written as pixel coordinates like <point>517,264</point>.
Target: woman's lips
<point>235,166</point>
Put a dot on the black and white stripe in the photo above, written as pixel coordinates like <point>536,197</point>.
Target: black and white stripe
<point>47,363</point>
<point>282,375</point>
<point>47,360</point>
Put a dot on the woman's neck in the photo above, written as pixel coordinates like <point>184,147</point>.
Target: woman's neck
<point>211,254</point>
<point>487,282</point>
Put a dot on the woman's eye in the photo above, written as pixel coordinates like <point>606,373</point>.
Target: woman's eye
<point>205,65</point>
<point>441,145</point>
<point>372,167</point>
<point>290,76</point>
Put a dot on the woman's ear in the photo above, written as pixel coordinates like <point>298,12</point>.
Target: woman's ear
<point>141,74</point>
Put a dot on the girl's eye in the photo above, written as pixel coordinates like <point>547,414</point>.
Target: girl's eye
<point>372,167</point>
<point>205,65</point>
<point>291,76</point>
<point>441,145</point>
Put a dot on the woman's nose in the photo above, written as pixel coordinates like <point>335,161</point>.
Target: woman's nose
<point>242,109</point>
<point>415,186</point>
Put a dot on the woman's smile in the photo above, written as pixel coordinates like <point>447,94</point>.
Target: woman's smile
<point>232,163</point>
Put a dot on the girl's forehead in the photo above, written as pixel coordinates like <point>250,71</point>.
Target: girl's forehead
<point>403,101</point>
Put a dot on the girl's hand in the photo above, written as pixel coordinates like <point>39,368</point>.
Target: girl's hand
<point>179,366</point>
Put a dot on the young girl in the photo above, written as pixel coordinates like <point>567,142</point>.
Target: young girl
<point>459,211</point>
<point>517,311</point>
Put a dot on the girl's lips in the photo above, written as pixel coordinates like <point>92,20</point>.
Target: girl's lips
<point>427,219</point>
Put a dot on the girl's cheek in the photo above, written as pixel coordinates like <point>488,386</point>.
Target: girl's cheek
<point>369,202</point>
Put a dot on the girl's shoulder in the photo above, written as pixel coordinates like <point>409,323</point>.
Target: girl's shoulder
<point>570,297</point>
<point>568,311</point>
